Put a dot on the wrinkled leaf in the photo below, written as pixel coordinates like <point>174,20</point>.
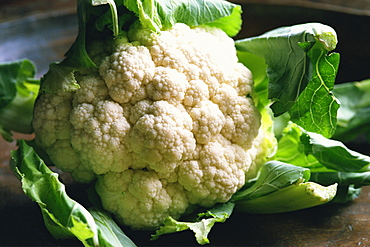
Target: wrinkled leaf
<point>109,233</point>
<point>349,183</point>
<point>18,92</point>
<point>291,198</point>
<point>63,217</point>
<point>333,154</point>
<point>329,161</point>
<point>59,78</point>
<point>292,55</point>
<point>159,15</point>
<point>320,154</point>
<point>358,179</point>
<point>201,228</point>
<point>316,107</point>
<point>113,13</point>
<point>290,150</point>
<point>354,111</point>
<point>274,175</point>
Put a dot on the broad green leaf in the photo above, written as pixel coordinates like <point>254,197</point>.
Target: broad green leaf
<point>349,183</point>
<point>158,15</point>
<point>201,228</point>
<point>320,154</point>
<point>63,217</point>
<point>231,23</point>
<point>12,75</point>
<point>354,112</point>
<point>109,233</point>
<point>291,150</point>
<point>333,154</point>
<point>18,92</point>
<point>328,160</point>
<point>358,179</point>
<point>291,55</point>
<point>282,187</point>
<point>59,78</point>
<point>316,107</point>
<point>113,13</point>
<point>274,175</point>
<point>76,56</point>
<point>257,65</point>
<point>291,198</point>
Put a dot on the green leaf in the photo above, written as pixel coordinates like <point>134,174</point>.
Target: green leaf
<point>349,183</point>
<point>147,13</point>
<point>109,233</point>
<point>319,154</point>
<point>291,198</point>
<point>77,56</point>
<point>257,65</point>
<point>329,161</point>
<point>63,217</point>
<point>354,112</point>
<point>201,228</point>
<point>281,187</point>
<point>292,55</point>
<point>232,22</point>
<point>113,13</point>
<point>291,150</point>
<point>18,92</point>
<point>316,107</point>
<point>333,154</point>
<point>358,179</point>
<point>159,15</point>
<point>12,75</point>
<point>274,175</point>
<point>59,78</point>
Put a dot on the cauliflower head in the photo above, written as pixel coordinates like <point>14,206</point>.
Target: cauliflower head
<point>164,123</point>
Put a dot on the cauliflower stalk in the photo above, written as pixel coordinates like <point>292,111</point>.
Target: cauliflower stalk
<point>164,122</point>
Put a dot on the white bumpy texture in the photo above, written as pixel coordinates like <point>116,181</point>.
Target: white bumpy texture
<point>164,123</point>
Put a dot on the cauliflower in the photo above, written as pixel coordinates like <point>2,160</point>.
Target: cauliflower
<point>164,123</point>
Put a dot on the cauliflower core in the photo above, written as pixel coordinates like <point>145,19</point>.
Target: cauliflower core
<point>164,123</point>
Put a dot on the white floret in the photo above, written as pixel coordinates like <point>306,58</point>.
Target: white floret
<point>140,199</point>
<point>167,84</point>
<point>100,129</point>
<point>127,71</point>
<point>164,123</point>
<point>206,125</point>
<point>163,137</point>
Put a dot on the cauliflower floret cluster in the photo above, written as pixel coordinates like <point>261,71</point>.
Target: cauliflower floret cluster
<point>164,123</point>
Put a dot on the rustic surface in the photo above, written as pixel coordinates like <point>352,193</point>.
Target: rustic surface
<point>330,225</point>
